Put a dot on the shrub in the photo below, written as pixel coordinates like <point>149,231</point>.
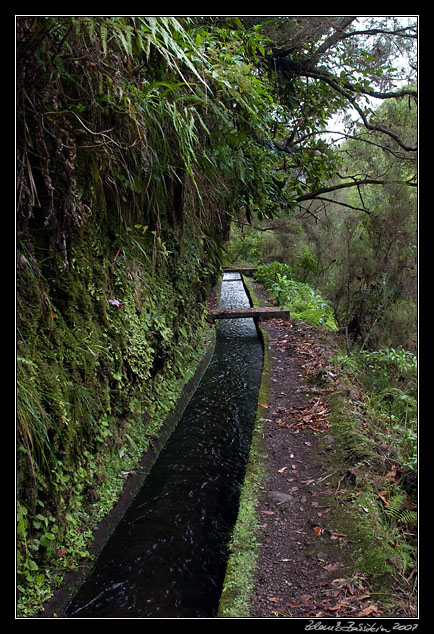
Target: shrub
<point>304,302</point>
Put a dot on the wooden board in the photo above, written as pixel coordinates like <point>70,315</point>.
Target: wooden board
<point>267,312</point>
<point>243,270</point>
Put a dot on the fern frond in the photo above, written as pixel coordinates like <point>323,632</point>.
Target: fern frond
<point>397,510</point>
<point>396,504</point>
<point>408,517</point>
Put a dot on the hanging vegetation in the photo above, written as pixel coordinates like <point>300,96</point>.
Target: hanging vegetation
<point>139,141</point>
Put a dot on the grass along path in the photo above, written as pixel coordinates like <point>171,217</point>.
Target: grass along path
<point>315,535</point>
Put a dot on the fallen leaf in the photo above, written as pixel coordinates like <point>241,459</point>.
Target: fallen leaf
<point>267,512</point>
<point>318,531</point>
<point>368,610</point>
<point>263,405</point>
<point>337,534</point>
<point>339,582</point>
<point>382,497</point>
<point>331,567</point>
<point>282,469</point>
<point>364,508</point>
<point>273,599</point>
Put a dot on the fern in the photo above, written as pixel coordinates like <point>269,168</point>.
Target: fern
<point>408,517</point>
<point>396,509</point>
<point>304,302</point>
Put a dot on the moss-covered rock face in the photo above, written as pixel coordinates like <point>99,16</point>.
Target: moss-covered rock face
<point>105,344</point>
<point>119,234</point>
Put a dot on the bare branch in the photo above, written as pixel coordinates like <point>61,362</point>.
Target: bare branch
<point>331,81</point>
<point>342,204</point>
<point>367,181</point>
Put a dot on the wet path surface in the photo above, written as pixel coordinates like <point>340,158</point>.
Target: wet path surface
<point>167,556</point>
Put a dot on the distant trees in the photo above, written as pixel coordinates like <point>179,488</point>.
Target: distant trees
<point>351,193</point>
<point>220,118</point>
<point>342,63</point>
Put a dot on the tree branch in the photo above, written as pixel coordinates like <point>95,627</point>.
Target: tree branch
<point>335,38</point>
<point>317,73</point>
<point>331,81</point>
<point>367,181</point>
<point>340,35</point>
<point>338,202</point>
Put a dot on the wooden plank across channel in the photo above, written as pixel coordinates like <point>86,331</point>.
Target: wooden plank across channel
<point>266,312</point>
<point>240,269</point>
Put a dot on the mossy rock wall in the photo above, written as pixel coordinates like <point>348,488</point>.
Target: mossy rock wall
<point>120,230</point>
<point>105,343</point>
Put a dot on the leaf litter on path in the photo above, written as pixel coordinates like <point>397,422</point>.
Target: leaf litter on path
<point>291,581</point>
<point>312,416</point>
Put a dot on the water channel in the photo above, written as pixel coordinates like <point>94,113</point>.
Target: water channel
<point>167,557</point>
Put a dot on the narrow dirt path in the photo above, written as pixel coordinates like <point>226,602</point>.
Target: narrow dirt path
<point>303,566</point>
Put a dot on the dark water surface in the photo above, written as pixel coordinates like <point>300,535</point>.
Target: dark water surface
<point>167,557</point>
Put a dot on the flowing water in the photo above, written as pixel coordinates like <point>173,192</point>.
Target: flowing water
<point>167,557</point>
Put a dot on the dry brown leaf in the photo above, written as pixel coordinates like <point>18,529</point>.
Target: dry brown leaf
<point>382,497</point>
<point>332,567</point>
<point>369,610</point>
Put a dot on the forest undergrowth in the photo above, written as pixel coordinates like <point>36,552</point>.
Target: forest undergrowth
<point>369,407</point>
<point>381,397</point>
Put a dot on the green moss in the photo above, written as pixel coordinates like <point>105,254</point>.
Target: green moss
<point>96,381</point>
